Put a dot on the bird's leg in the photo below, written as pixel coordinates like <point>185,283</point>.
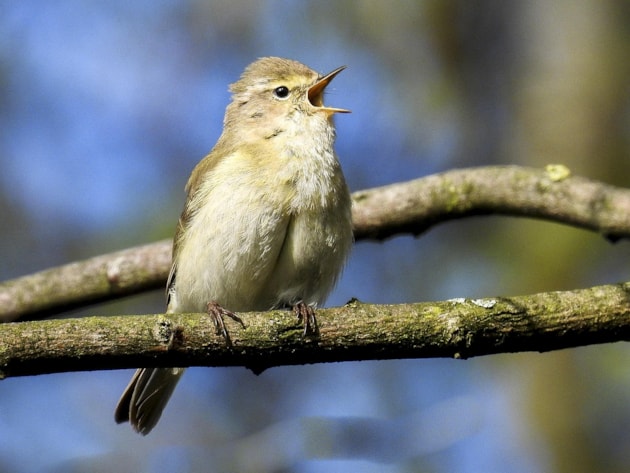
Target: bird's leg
<point>306,316</point>
<point>216,313</point>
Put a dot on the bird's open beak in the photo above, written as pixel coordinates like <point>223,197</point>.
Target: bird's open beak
<point>316,93</point>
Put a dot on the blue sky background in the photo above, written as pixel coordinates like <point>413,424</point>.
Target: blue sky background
<point>105,107</point>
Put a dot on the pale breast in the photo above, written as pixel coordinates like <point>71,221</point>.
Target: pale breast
<point>266,234</point>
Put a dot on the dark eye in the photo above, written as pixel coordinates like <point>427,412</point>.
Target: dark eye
<point>281,92</point>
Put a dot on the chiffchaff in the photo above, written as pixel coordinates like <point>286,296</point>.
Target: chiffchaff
<point>267,220</point>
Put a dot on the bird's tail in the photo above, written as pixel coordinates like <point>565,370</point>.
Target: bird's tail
<point>144,399</point>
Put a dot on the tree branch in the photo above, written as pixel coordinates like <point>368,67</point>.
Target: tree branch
<point>410,207</point>
<point>455,328</point>
<point>94,280</point>
<point>550,194</point>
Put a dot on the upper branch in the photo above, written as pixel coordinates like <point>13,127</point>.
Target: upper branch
<point>410,207</point>
<point>551,194</point>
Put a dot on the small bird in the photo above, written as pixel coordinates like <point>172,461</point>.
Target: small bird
<point>267,221</point>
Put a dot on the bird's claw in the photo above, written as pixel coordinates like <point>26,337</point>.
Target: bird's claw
<point>306,316</point>
<point>216,313</point>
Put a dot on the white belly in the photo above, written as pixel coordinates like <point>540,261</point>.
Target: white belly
<point>249,248</point>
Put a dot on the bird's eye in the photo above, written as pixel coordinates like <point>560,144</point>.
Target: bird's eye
<point>281,92</point>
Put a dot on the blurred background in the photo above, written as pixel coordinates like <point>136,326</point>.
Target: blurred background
<point>105,108</point>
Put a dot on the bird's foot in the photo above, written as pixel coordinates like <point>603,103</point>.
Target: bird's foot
<point>306,316</point>
<point>216,313</point>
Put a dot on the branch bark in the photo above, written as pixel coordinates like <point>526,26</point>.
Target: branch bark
<point>411,207</point>
<point>550,194</point>
<point>456,328</point>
